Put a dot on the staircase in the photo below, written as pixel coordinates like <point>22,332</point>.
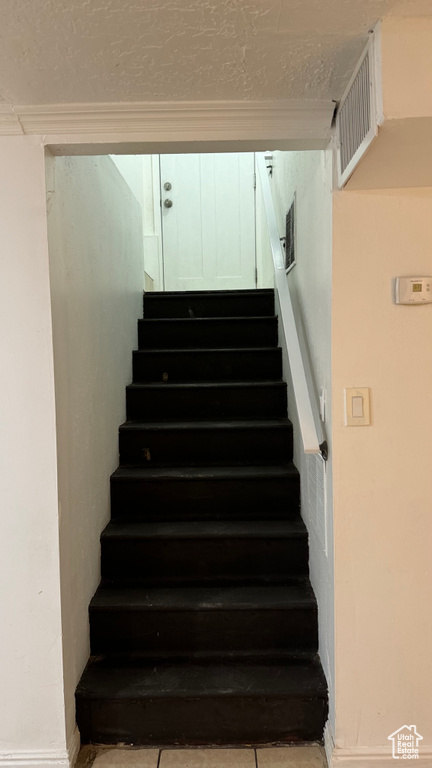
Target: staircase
<point>204,628</point>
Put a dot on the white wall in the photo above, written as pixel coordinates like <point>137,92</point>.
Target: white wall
<point>309,174</point>
<point>152,221</point>
<point>382,497</point>
<point>32,722</point>
<point>96,264</point>
<point>131,168</point>
<point>142,174</point>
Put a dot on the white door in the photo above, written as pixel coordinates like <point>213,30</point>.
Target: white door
<point>208,230</point>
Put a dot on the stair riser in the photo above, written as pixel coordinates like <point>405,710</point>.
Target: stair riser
<point>183,633</point>
<point>206,446</point>
<point>163,500</point>
<point>167,404</point>
<point>174,560</point>
<point>187,334</point>
<point>182,366</point>
<point>221,720</point>
<point>223,305</point>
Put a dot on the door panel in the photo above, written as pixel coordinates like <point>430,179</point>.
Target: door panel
<point>209,232</point>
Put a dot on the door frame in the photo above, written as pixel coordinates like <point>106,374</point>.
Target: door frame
<point>64,132</point>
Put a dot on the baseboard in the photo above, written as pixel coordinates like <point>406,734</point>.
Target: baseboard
<point>328,742</point>
<point>74,745</point>
<point>368,757</point>
<point>43,758</point>
<point>29,758</point>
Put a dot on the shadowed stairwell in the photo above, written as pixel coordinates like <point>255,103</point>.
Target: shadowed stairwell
<point>204,628</point>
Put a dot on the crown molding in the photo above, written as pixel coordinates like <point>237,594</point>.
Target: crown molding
<point>9,122</point>
<point>150,121</point>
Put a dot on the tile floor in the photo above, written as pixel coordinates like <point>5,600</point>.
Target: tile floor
<point>266,757</point>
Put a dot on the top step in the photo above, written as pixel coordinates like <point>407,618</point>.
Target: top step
<point>255,303</point>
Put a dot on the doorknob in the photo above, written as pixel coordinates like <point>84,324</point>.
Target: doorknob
<point>167,186</point>
<point>168,203</point>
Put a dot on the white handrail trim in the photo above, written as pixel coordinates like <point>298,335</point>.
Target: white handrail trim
<point>311,443</point>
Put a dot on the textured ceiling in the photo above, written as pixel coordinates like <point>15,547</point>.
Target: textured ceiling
<point>60,51</point>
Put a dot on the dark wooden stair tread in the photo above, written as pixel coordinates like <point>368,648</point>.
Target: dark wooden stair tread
<point>207,320</point>
<point>205,598</point>
<point>205,529</point>
<point>138,474</point>
<point>196,385</point>
<point>104,680</point>
<point>216,293</point>
<point>204,350</point>
<point>197,426</point>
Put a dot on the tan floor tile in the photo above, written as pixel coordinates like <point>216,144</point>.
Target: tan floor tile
<point>86,756</point>
<point>291,757</point>
<point>126,758</point>
<point>207,758</point>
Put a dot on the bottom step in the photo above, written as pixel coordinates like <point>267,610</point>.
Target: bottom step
<point>209,703</point>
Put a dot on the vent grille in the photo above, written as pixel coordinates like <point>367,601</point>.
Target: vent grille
<point>357,114</point>
<point>290,237</point>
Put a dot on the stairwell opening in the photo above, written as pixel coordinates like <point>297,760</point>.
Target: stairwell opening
<point>232,369</point>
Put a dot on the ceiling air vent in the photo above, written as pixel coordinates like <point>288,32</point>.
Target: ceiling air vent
<point>357,117</point>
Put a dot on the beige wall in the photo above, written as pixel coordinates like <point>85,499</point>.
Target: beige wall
<point>406,67</point>
<point>96,263</point>
<point>31,703</point>
<point>382,473</point>
<point>383,477</point>
<point>401,155</point>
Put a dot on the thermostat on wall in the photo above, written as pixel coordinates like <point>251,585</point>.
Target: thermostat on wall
<point>413,290</point>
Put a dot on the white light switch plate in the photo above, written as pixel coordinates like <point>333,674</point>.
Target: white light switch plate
<point>357,407</point>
